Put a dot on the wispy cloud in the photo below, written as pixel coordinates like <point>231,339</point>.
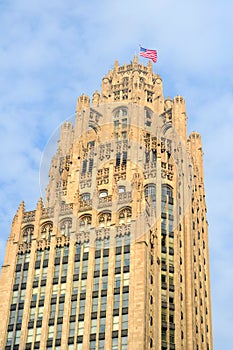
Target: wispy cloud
<point>52,51</point>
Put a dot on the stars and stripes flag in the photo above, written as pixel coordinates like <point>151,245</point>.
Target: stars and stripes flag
<point>151,54</point>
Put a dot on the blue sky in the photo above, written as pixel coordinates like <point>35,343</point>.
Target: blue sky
<point>53,51</point>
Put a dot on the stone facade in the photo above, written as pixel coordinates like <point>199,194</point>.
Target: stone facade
<point>117,257</point>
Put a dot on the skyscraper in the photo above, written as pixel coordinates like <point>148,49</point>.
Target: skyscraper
<point>117,255</point>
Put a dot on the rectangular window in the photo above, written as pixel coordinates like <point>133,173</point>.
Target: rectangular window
<point>32,314</point>
<point>72,329</point>
<point>118,261</point>
<point>115,325</point>
<point>93,326</point>
<point>38,334</point>
<point>115,344</point>
<point>92,345</point>
<point>80,327</point>
<point>40,312</point>
<point>9,338</point>
<point>103,303</point>
<point>59,331</point>
<point>51,332</point>
<point>91,162</point>
<point>102,325</point>
<point>126,279</point>
<point>124,123</point>
<point>73,307</point>
<point>124,160</point>
<point>82,306</point>
<point>75,287</point>
<point>15,297</point>
<point>124,322</point>
<point>117,281</point>
<point>126,259</point>
<point>94,304</point>
<point>124,343</point>
<point>83,286</point>
<point>63,289</point>
<point>44,273</point>
<point>101,344</point>
<point>20,316</point>
<point>84,167</point>
<point>55,290</point>
<point>116,304</point>
<point>105,263</point>
<point>60,309</point>
<point>97,264</point>
<point>85,266</point>
<point>30,335</point>
<point>17,337</point>
<point>96,284</point>
<point>104,282</point>
<point>125,299</point>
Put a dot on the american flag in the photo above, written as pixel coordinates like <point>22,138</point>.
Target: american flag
<point>151,54</point>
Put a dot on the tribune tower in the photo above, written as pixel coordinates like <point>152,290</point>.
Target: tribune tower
<point>116,256</point>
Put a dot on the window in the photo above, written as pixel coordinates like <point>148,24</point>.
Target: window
<point>38,334</point>
<point>105,219</point>
<point>40,313</point>
<point>82,306</point>
<point>102,324</point>
<point>115,325</point>
<point>124,322</point>
<point>50,332</point>
<point>116,304</point>
<point>17,337</point>
<point>46,230</point>
<point>93,326</point>
<point>117,280</point>
<point>65,227</point>
<point>27,234</point>
<point>30,335</point>
<point>85,197</point>
<point>72,329</point>
<point>94,304</point>
<point>125,216</point>
<point>115,344</point>
<point>103,303</point>
<point>124,343</point>
<point>125,299</point>
<point>150,194</point>
<point>103,193</point>
<point>104,282</point>
<point>80,327</point>
<point>92,345</point>
<point>121,189</point>
<point>73,307</point>
<point>85,223</point>
<point>126,279</point>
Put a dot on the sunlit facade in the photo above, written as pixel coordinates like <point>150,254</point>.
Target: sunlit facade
<point>117,255</point>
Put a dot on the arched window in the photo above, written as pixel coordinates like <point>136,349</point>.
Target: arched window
<point>125,216</point>
<point>150,194</point>
<point>85,223</point>
<point>121,189</point>
<point>27,234</point>
<point>167,191</point>
<point>65,227</point>
<point>103,193</point>
<point>105,219</point>
<point>46,230</point>
<point>85,197</point>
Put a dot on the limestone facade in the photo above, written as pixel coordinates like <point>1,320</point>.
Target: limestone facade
<point>117,256</point>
